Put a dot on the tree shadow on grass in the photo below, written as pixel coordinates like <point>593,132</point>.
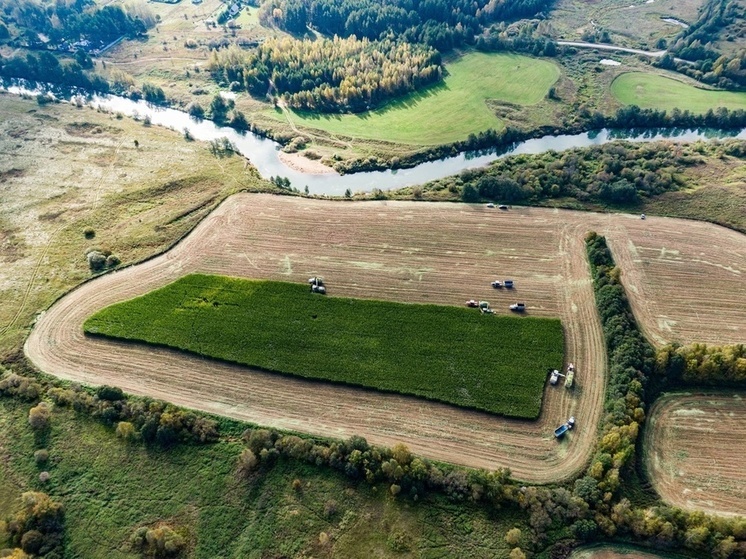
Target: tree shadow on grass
<point>410,101</point>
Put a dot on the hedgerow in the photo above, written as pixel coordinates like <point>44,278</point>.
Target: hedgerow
<point>450,354</point>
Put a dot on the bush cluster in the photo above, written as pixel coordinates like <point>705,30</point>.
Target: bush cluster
<point>153,421</point>
<point>615,173</point>
<point>160,541</point>
<point>38,527</point>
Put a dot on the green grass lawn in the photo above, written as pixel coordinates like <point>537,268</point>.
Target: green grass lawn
<point>450,354</point>
<point>450,111</point>
<point>657,92</point>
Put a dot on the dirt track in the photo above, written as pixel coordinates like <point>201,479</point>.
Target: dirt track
<point>417,252</point>
<point>694,447</point>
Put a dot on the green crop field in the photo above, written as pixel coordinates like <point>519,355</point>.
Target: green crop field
<point>451,354</point>
<point>450,111</point>
<point>657,92</point>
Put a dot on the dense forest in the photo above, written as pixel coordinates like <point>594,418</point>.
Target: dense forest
<point>66,23</point>
<point>438,23</point>
<point>720,20</point>
<point>329,74</point>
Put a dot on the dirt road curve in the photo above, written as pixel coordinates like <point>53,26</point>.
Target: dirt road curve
<point>692,451</point>
<point>443,253</point>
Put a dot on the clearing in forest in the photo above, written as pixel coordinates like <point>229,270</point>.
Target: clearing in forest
<point>450,354</point>
<point>651,91</point>
<point>450,111</point>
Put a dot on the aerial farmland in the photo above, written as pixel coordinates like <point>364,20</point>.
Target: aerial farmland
<point>372,279</point>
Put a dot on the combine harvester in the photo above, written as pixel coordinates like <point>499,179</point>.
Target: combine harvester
<point>560,431</point>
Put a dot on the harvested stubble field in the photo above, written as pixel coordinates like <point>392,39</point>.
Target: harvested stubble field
<point>694,447</point>
<point>443,353</point>
<point>402,251</point>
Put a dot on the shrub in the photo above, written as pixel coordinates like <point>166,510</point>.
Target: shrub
<point>513,536</point>
<point>161,541</point>
<point>112,261</point>
<point>89,233</point>
<point>40,416</point>
<point>44,477</point>
<point>110,393</point>
<point>126,431</point>
<point>96,260</point>
<point>32,541</point>
<point>247,463</point>
<point>41,456</point>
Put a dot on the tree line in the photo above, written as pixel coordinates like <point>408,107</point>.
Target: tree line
<point>703,364</point>
<point>47,68</point>
<point>438,23</point>
<point>329,74</point>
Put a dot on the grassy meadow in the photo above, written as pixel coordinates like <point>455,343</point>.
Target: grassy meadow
<point>658,92</point>
<point>109,488</point>
<point>450,111</point>
<point>450,354</point>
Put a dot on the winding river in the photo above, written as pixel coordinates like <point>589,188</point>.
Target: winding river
<point>264,153</point>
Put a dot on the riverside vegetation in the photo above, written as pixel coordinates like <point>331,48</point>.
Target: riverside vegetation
<point>449,354</point>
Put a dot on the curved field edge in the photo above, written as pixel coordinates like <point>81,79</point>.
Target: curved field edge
<point>450,354</point>
<point>652,91</point>
<point>279,238</point>
<point>692,446</point>
<point>447,112</point>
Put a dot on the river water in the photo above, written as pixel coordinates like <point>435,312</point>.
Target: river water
<point>263,153</point>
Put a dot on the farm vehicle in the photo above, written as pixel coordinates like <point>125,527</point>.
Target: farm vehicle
<point>497,284</point>
<point>560,431</point>
<point>317,285</point>
<point>518,307</point>
<point>483,306</point>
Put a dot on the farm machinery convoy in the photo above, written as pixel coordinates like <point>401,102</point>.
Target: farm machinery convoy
<point>569,376</point>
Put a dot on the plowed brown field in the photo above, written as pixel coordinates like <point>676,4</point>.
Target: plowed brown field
<point>401,251</point>
<point>694,449</point>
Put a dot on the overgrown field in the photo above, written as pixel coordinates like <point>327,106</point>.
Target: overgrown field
<point>455,355</point>
<point>449,112</point>
<point>110,488</point>
<point>657,92</point>
<point>106,183</point>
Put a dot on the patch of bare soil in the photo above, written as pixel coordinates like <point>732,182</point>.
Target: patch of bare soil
<point>300,163</point>
<point>694,445</point>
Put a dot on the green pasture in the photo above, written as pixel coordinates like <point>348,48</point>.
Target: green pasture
<point>450,354</point>
<point>658,92</point>
<point>110,488</point>
<point>450,111</point>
